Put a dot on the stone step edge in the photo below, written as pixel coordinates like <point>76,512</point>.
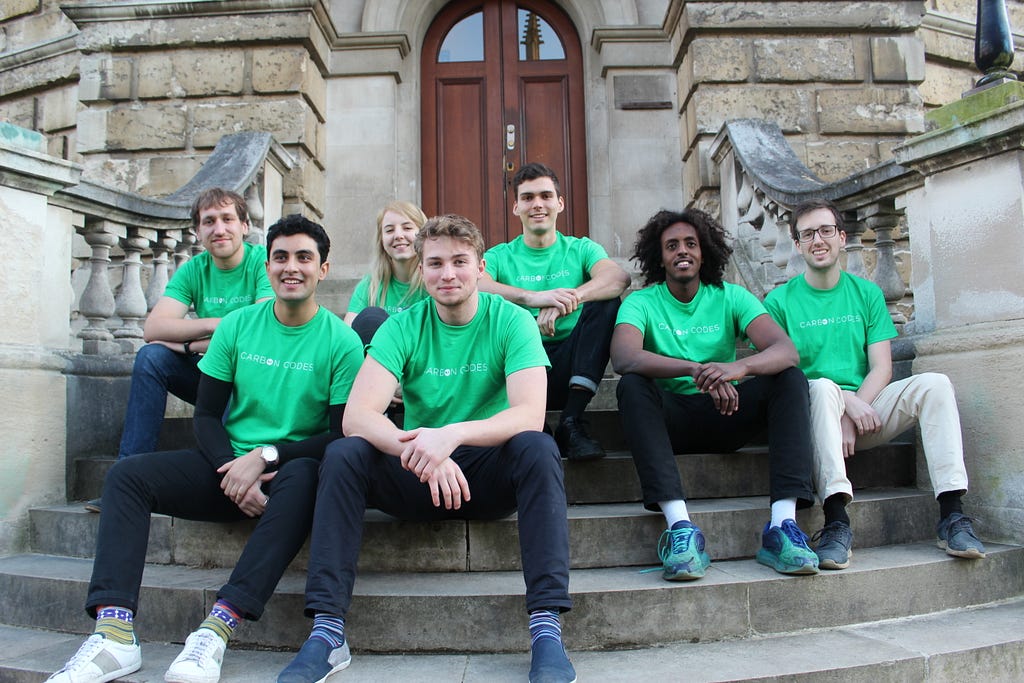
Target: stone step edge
<point>912,648</point>
<point>600,535</point>
<point>591,510</point>
<point>498,583</point>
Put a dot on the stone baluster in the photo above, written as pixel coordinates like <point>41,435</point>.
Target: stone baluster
<point>855,247</point>
<point>882,218</point>
<point>163,247</point>
<point>183,250</point>
<point>97,301</point>
<point>130,302</point>
<point>257,228</point>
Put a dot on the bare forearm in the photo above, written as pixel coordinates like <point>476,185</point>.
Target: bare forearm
<point>771,361</point>
<point>608,282</point>
<point>375,427</point>
<point>178,329</point>
<point>507,292</point>
<point>651,364</point>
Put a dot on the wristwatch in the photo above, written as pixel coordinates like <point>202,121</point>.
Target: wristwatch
<point>189,351</point>
<point>270,458</point>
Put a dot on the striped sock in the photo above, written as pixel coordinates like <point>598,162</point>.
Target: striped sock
<point>222,620</point>
<point>115,623</point>
<point>328,628</point>
<point>544,624</point>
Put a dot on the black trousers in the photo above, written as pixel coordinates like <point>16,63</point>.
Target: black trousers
<point>659,424</point>
<point>524,475</point>
<point>581,358</point>
<point>184,484</point>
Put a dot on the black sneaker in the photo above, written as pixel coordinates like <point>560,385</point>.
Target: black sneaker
<point>574,442</point>
<point>833,549</point>
<point>93,505</point>
<point>956,537</point>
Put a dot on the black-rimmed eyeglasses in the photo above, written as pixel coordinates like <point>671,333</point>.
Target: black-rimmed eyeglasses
<point>825,231</point>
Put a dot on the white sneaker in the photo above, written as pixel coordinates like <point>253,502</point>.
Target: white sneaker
<point>99,660</point>
<point>200,659</point>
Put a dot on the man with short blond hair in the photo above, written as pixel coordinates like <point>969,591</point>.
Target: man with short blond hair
<point>473,376</point>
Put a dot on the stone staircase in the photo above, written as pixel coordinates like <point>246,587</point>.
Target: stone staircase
<point>447,597</point>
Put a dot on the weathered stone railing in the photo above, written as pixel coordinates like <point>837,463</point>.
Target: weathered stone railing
<point>762,180</point>
<point>131,238</point>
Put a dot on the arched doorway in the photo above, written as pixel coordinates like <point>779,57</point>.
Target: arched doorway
<point>502,84</point>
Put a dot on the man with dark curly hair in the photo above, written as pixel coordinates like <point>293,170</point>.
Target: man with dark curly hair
<point>675,346</point>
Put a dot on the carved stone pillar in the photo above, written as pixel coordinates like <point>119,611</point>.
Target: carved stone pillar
<point>882,218</point>
<point>130,302</point>
<point>97,302</point>
<point>162,250</point>
<point>183,250</point>
<point>855,248</point>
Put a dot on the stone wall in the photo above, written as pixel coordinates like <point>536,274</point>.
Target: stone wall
<point>33,338</point>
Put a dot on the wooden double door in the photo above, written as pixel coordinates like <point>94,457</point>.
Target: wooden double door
<point>502,85</point>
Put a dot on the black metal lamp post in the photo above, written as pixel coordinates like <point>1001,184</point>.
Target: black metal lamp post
<point>993,42</point>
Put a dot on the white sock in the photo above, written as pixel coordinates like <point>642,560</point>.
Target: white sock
<point>675,511</point>
<point>782,510</point>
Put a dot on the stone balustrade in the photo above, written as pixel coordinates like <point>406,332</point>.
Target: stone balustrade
<point>135,243</point>
<point>762,180</point>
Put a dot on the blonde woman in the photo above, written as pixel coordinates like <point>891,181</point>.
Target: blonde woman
<point>394,284</point>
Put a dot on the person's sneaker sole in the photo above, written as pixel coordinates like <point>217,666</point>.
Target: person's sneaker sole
<point>767,559</point>
<point>832,564</point>
<point>92,506</point>
<point>970,553</point>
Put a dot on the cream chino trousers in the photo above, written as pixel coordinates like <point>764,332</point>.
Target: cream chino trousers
<point>926,399</point>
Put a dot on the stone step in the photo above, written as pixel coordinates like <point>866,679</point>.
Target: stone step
<point>606,535</point>
<point>399,612</point>
<point>983,644</point>
<point>614,479</point>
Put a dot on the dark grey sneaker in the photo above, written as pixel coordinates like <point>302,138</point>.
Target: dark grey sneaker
<point>956,537</point>
<point>574,442</point>
<point>834,542</point>
<point>93,505</point>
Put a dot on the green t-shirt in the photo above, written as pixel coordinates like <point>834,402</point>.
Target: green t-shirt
<point>398,297</point>
<point>457,373</point>
<point>565,264</point>
<point>214,292</point>
<point>702,331</point>
<point>285,378</point>
<point>832,328</point>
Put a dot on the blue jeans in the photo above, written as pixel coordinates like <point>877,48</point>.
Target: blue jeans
<point>157,372</point>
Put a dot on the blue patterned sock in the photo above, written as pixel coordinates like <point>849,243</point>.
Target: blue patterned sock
<point>544,624</point>
<point>328,628</point>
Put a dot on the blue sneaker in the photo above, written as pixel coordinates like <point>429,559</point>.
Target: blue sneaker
<point>956,537</point>
<point>681,550</point>
<point>550,664</point>
<point>315,661</point>
<point>785,549</point>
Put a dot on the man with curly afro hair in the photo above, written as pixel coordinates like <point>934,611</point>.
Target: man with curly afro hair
<point>675,346</point>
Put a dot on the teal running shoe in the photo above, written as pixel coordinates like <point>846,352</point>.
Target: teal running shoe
<point>785,549</point>
<point>681,550</point>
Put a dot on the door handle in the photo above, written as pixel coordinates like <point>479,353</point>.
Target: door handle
<point>510,136</point>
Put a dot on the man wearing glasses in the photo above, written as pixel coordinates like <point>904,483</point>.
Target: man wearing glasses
<point>842,329</point>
